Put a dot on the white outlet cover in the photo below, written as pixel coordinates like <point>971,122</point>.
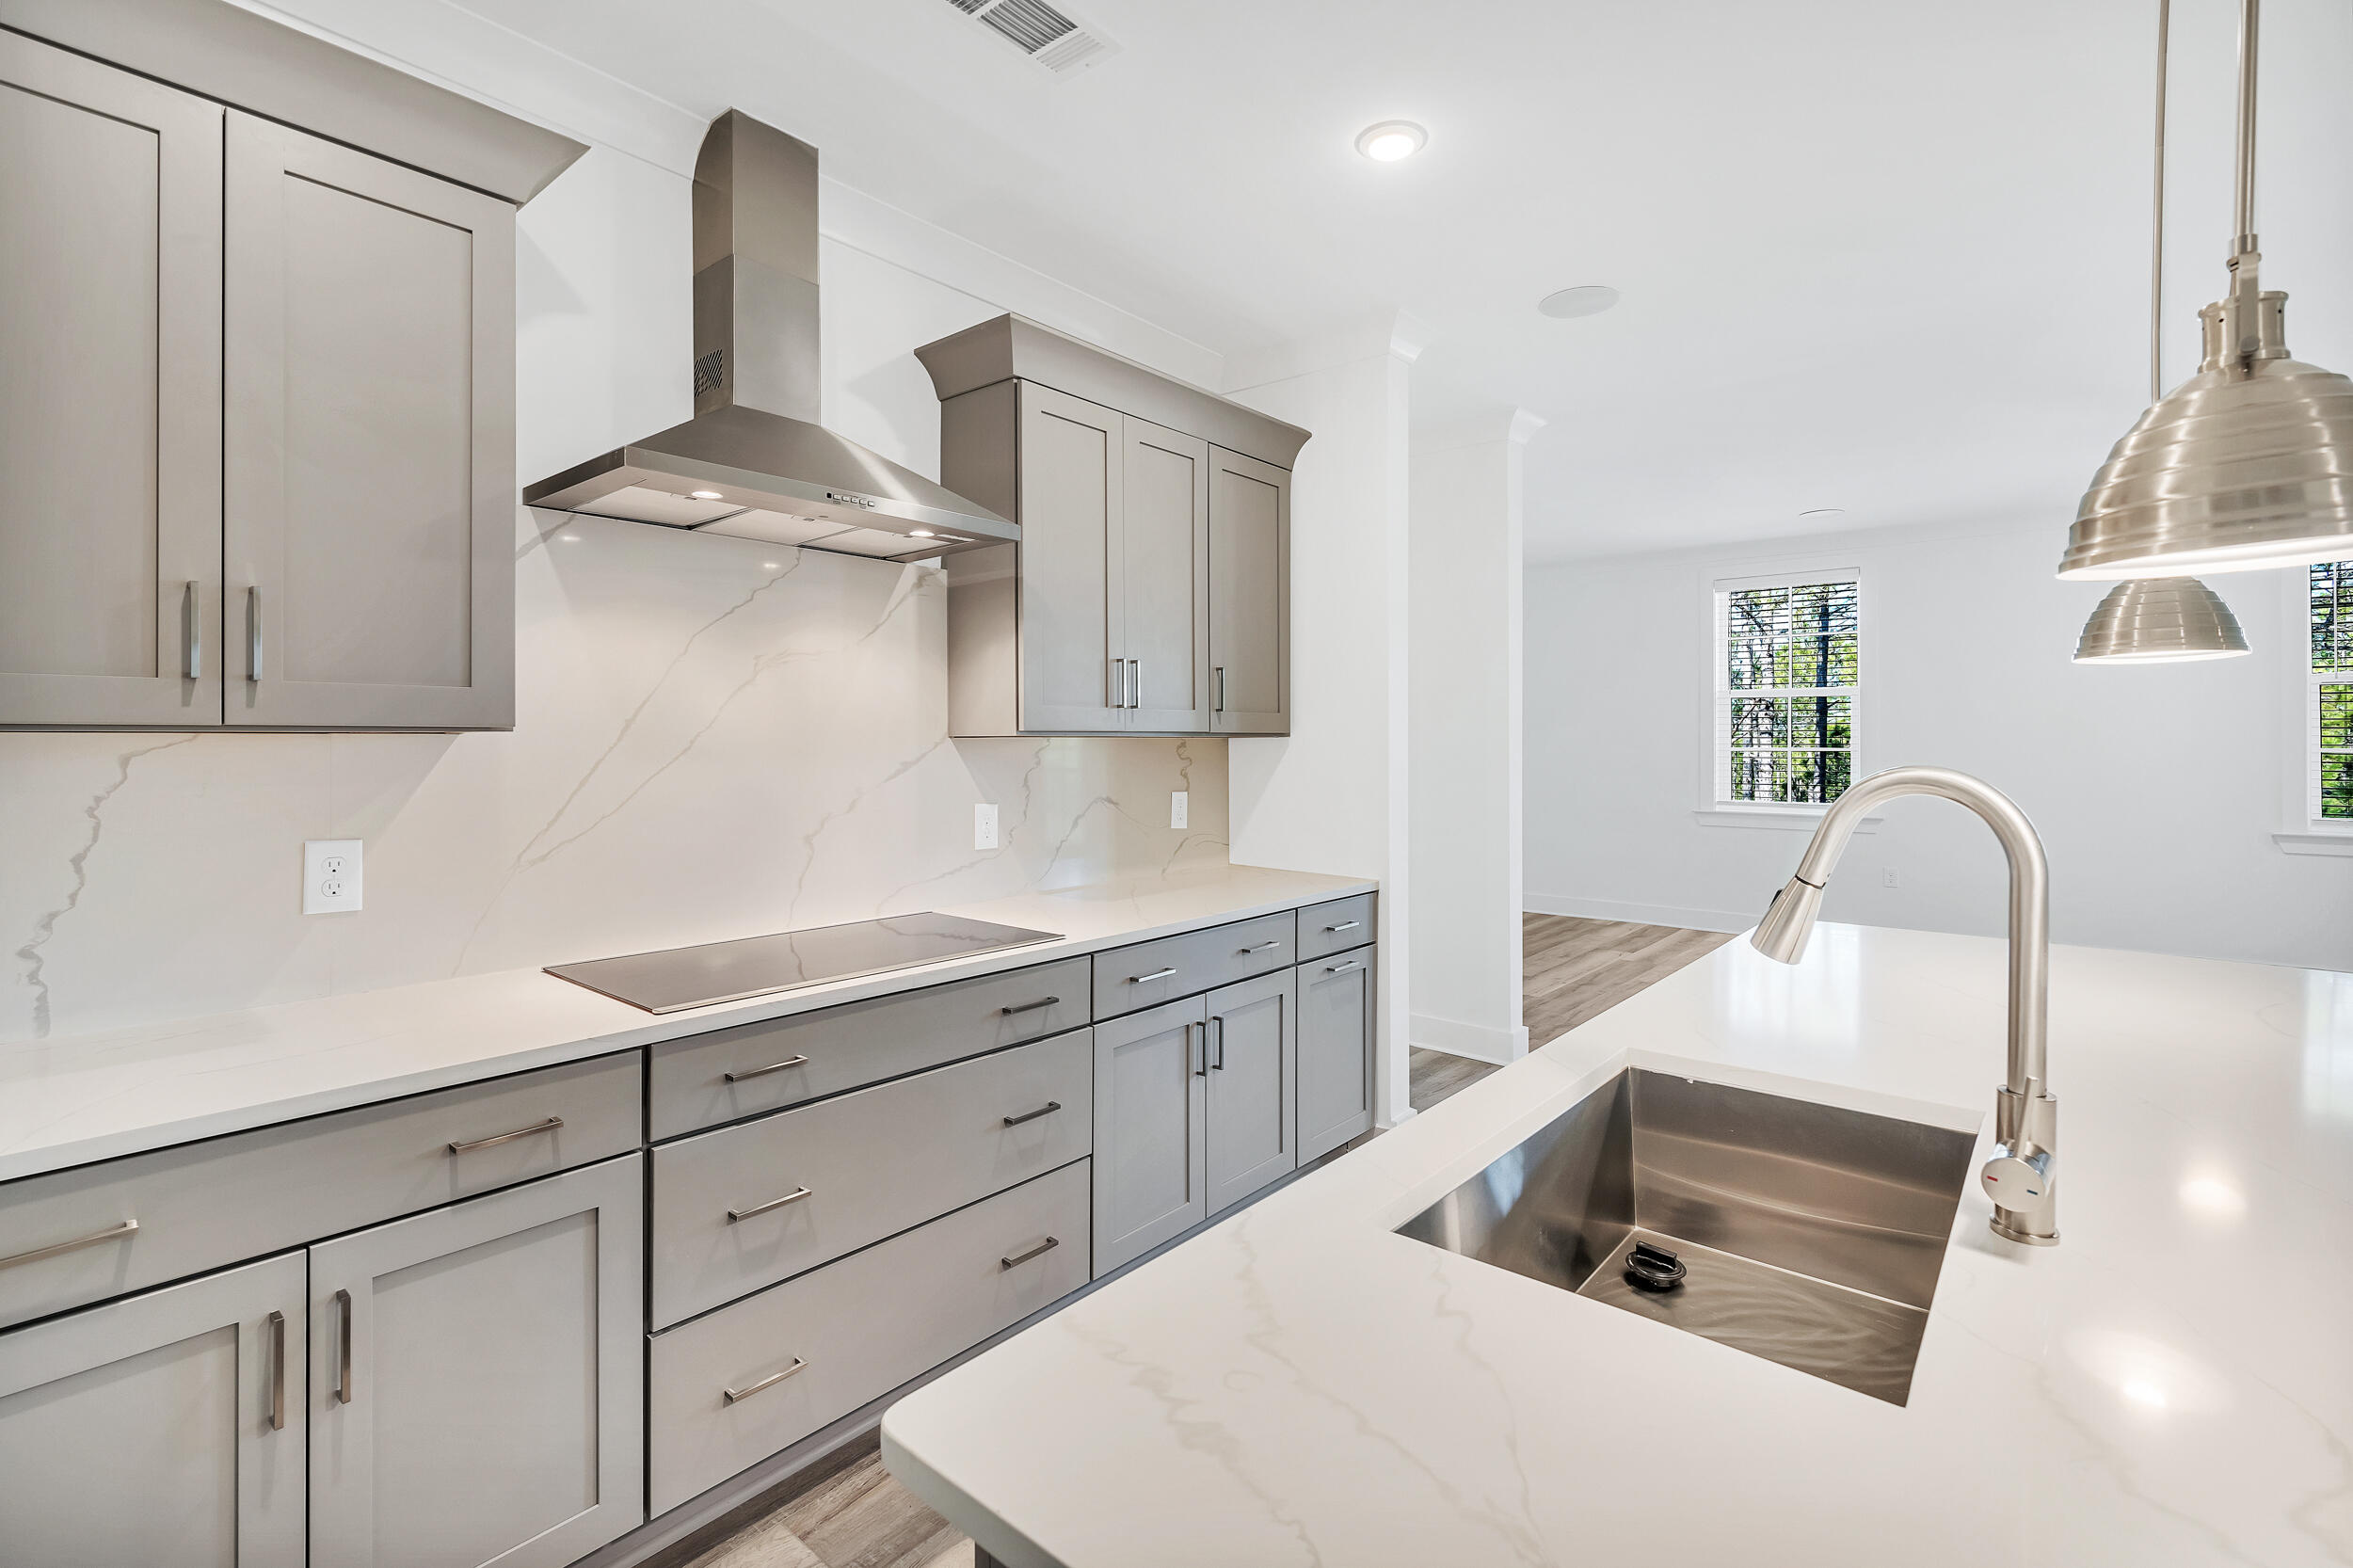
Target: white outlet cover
<point>983,827</point>
<point>1179,808</point>
<point>331,876</point>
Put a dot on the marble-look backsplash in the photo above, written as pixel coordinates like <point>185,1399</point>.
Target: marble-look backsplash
<point>715,738</point>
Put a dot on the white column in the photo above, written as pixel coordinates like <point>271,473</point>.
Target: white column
<point>1463,728</point>
<point>1331,796</point>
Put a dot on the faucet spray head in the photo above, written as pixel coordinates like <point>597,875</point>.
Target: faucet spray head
<point>1788,922</point>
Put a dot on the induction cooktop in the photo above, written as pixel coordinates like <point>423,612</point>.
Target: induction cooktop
<point>676,979</point>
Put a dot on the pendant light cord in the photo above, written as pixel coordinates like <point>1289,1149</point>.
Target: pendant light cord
<point>2247,51</point>
<point>2157,223</point>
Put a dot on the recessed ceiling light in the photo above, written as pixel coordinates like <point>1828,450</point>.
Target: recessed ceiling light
<point>703,495</point>
<point>1586,299</point>
<point>1823,512</point>
<point>920,533</point>
<point>1391,140</point>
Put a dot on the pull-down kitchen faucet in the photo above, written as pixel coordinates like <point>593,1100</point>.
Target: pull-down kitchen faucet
<point>2026,1117</point>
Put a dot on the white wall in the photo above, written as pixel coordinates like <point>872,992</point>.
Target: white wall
<point>1331,796</point>
<point>1464,711</point>
<point>2157,789</point>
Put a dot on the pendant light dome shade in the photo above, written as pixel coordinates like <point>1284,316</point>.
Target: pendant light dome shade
<point>2160,621</point>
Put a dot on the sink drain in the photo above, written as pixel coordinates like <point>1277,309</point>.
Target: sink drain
<point>1653,1268</point>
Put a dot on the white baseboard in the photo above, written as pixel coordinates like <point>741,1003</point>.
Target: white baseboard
<point>1480,1042</point>
<point>1640,914</point>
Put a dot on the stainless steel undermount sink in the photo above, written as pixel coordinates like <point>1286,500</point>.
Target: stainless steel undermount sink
<point>1810,1235</point>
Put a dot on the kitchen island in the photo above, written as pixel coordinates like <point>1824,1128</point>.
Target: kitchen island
<point>2170,1384</point>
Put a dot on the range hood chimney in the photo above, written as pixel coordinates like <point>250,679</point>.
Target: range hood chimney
<point>753,462</point>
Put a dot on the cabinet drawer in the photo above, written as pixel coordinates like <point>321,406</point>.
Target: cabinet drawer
<point>1149,973</point>
<point>204,1204</point>
<point>790,1060</point>
<point>1337,926</point>
<point>726,1219</point>
<point>855,1331</point>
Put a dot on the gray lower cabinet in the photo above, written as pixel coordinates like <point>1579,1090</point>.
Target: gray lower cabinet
<point>1151,1130</point>
<point>476,1389</point>
<point>1253,1087</point>
<point>1249,631</point>
<point>165,1430</point>
<point>1336,1037</point>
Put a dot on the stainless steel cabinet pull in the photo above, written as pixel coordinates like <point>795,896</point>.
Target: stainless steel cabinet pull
<point>1135,683</point>
<point>733,1395</point>
<point>342,1359</point>
<point>1219,1019</point>
<point>276,1322</point>
<point>1344,925</point>
<point>1031,1006</point>
<point>736,1215</point>
<point>532,1131</point>
<point>1203,1069</point>
<point>1263,947</point>
<point>1039,1250</point>
<point>763,1072</point>
<point>1221,688</point>
<point>191,634</point>
<point>253,634</point>
<point>1046,1110</point>
<point>109,1234</point>
<point>1119,682</point>
<point>1156,974</point>
<point>1342,969</point>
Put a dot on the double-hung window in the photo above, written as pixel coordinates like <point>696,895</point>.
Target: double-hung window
<point>2329,700</point>
<point>1788,688</point>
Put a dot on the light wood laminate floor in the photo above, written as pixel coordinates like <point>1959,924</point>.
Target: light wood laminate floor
<point>851,1515</point>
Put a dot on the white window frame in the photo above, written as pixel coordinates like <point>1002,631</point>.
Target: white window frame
<point>1715,587</point>
<point>2308,832</point>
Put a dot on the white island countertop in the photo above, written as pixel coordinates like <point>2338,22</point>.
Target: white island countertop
<point>2171,1384</point>
<point>75,1100</point>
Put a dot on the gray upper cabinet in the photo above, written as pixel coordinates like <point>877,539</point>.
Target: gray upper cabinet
<point>1155,542</point>
<point>110,279</point>
<point>1250,557</point>
<point>162,1430</point>
<point>1253,1087</point>
<point>476,1386</point>
<point>370,483</point>
<point>1151,1130</point>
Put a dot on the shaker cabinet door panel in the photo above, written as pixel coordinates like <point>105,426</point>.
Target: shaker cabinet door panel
<point>1252,1086</point>
<point>1250,528</point>
<point>110,400</point>
<point>478,1391</point>
<point>1336,1035</point>
<point>1150,1130</point>
<point>164,1430</point>
<point>370,496</point>
<point>1070,606</point>
<point>1164,556</point>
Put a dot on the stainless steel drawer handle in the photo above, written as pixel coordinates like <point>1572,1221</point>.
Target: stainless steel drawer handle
<point>1262,947</point>
<point>1156,974</point>
<point>736,1216</point>
<point>191,634</point>
<point>532,1131</point>
<point>1046,1110</point>
<point>733,1395</point>
<point>342,1359</point>
<point>1344,925</point>
<point>109,1234</point>
<point>277,1325</point>
<point>1039,1250</point>
<point>789,1062</point>
<point>1031,1006</point>
<point>1343,969</point>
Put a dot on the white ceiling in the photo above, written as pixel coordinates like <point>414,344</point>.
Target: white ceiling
<point>1884,257</point>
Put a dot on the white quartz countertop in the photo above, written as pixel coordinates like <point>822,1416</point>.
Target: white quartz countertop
<point>70,1101</point>
<point>2170,1384</point>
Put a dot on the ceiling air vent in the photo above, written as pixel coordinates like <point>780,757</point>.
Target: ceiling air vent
<point>1040,31</point>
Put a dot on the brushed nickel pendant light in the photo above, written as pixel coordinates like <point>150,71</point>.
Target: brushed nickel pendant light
<point>2248,463</point>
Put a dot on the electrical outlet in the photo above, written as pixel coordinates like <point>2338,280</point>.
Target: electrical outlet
<point>983,827</point>
<point>331,876</point>
<point>1890,877</point>
<point>1179,808</point>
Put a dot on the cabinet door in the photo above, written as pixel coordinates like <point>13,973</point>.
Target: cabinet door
<point>1165,561</point>
<point>1150,1129</point>
<point>1252,1086</point>
<point>164,1430</point>
<point>370,442</point>
<point>109,397</point>
<point>1071,611</point>
<point>1336,1035</point>
<point>477,1377</point>
<point>1249,596</point>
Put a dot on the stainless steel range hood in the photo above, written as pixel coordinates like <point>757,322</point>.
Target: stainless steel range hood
<point>753,462</point>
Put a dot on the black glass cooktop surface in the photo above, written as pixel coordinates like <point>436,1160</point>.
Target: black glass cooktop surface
<point>676,979</point>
